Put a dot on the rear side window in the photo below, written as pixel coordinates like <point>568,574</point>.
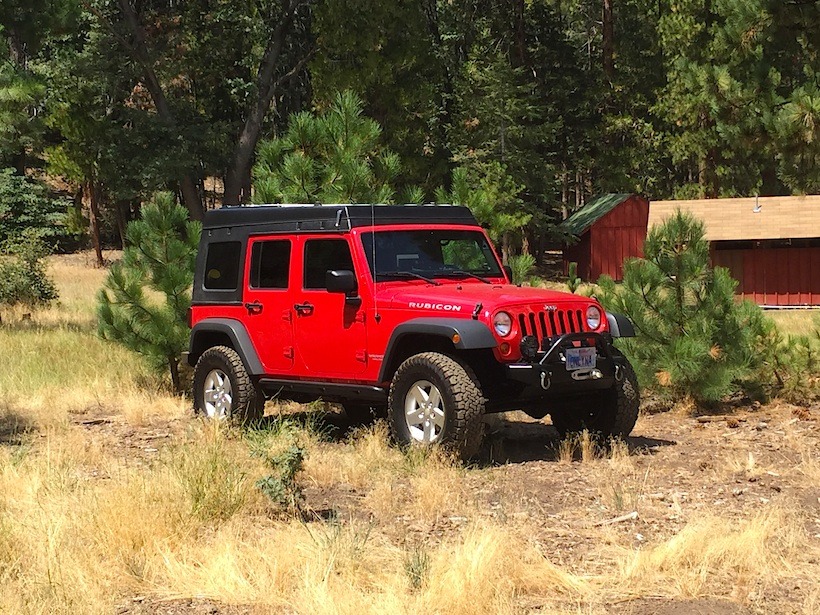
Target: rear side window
<point>322,255</point>
<point>270,264</point>
<point>222,265</point>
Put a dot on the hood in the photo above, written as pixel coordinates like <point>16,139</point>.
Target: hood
<point>464,296</point>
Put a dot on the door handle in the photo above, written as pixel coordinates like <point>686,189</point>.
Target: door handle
<point>305,309</point>
<point>253,308</point>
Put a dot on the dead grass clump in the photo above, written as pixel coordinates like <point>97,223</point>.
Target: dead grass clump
<point>142,408</point>
<point>366,460</point>
<point>711,552</point>
<point>333,568</point>
<point>78,528</point>
<point>215,472</point>
<point>487,571</point>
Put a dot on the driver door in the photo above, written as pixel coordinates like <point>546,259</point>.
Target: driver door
<point>329,329</point>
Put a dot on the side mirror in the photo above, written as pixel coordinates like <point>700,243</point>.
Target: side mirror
<point>341,281</point>
<point>508,271</point>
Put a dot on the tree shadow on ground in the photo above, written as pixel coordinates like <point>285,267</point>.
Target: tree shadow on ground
<point>14,428</point>
<point>515,441</point>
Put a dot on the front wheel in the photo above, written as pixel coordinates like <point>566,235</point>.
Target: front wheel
<point>436,400</point>
<point>610,413</point>
<point>223,390</point>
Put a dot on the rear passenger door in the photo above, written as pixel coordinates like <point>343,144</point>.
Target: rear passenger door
<point>268,301</point>
<point>329,331</point>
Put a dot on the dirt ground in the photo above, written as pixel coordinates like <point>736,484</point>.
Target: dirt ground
<point>678,467</point>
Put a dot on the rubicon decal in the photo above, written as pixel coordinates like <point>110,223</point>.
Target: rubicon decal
<point>446,307</point>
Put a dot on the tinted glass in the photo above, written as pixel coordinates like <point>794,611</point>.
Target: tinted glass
<point>222,265</point>
<point>270,263</point>
<point>431,253</point>
<point>322,255</point>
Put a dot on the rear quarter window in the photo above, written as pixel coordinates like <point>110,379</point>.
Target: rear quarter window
<point>222,265</point>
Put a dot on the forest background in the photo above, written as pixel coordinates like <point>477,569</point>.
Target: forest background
<point>545,103</point>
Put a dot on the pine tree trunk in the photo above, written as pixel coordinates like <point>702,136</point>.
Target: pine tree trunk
<point>564,192</point>
<point>608,41</point>
<point>92,190</point>
<point>173,366</point>
<point>122,221</point>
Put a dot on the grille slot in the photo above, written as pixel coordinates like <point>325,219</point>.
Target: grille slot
<point>544,324</point>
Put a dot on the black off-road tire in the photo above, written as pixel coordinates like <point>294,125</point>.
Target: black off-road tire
<point>608,414</point>
<point>463,401</point>
<point>247,403</point>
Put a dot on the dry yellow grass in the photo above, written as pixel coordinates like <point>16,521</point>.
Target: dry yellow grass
<point>713,552</point>
<point>89,519</point>
<point>795,322</point>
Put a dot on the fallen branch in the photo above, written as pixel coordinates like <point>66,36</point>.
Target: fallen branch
<point>627,517</point>
<point>720,419</point>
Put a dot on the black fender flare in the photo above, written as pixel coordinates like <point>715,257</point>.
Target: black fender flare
<point>238,335</point>
<point>472,335</point>
<point>620,325</point>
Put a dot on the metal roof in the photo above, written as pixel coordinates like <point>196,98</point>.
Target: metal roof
<point>578,223</point>
<point>775,217</point>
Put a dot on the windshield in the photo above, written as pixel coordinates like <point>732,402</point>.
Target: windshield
<point>430,253</point>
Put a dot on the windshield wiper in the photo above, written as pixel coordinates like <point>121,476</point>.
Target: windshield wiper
<point>464,274</point>
<point>407,274</point>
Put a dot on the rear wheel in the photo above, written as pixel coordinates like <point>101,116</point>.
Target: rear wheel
<point>436,400</point>
<point>610,413</point>
<point>223,390</point>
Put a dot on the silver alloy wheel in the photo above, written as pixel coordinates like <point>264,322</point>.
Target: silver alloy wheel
<point>424,412</point>
<point>218,394</point>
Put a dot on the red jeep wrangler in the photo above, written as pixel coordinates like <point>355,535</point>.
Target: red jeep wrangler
<point>397,309</point>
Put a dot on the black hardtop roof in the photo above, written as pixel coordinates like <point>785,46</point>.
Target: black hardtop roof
<point>340,217</point>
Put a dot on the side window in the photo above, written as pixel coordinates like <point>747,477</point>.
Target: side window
<point>322,255</point>
<point>222,265</point>
<point>270,264</point>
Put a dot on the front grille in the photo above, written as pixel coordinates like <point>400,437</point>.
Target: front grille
<point>545,324</point>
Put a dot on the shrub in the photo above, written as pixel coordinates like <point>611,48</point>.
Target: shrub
<point>694,338</point>
<point>23,277</point>
<point>573,281</point>
<point>281,485</point>
<point>794,363</point>
<point>25,204</point>
<point>521,265</point>
<point>160,257</point>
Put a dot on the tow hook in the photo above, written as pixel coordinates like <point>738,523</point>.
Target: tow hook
<point>591,374</point>
<point>619,372</point>
<point>546,380</point>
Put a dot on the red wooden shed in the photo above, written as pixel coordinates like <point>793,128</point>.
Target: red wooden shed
<point>770,245</point>
<point>610,229</point>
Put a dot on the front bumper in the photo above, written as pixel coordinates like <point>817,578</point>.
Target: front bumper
<point>547,376</point>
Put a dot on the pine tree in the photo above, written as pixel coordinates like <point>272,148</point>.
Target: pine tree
<point>494,198</point>
<point>693,339</point>
<point>159,260</point>
<point>332,157</point>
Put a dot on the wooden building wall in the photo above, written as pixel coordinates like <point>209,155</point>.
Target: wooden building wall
<point>616,236</point>
<point>776,276</point>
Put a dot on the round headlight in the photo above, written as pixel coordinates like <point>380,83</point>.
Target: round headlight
<point>502,323</point>
<point>593,317</point>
